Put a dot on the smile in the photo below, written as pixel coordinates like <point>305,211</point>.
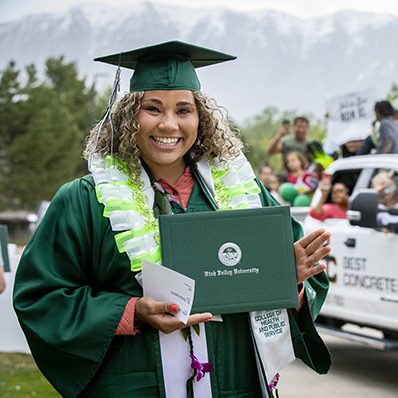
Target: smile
<point>166,141</point>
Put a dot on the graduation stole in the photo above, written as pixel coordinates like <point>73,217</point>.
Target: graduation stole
<point>128,205</point>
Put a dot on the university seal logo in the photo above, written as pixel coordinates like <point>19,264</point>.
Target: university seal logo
<point>229,254</point>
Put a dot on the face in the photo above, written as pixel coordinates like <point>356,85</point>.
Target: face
<point>293,162</point>
<point>352,146</point>
<point>339,193</point>
<point>300,130</point>
<point>274,184</point>
<point>266,175</point>
<point>168,128</point>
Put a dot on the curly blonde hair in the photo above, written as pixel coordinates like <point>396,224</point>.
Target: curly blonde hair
<point>215,137</point>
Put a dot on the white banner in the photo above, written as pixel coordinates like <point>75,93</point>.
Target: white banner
<point>350,118</point>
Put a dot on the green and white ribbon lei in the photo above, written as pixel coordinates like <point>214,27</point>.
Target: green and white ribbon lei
<point>128,205</point>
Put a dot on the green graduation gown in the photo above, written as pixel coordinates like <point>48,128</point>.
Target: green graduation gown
<point>72,286</point>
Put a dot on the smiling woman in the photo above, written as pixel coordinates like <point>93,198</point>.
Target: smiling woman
<point>165,148</point>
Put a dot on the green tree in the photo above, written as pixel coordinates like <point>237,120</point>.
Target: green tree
<point>44,126</point>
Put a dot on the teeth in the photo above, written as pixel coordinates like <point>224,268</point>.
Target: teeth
<point>166,141</point>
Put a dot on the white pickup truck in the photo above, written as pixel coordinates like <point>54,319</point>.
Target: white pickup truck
<point>363,264</point>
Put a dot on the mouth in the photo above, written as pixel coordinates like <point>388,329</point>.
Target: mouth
<point>166,141</point>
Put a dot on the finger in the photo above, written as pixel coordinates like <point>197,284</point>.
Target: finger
<point>321,253</point>
<point>313,246</point>
<point>307,239</point>
<point>315,270</point>
<point>171,324</point>
<point>148,306</point>
<point>199,318</point>
<point>159,307</point>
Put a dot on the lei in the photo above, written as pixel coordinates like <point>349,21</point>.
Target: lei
<point>128,204</point>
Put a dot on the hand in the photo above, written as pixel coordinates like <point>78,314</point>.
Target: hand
<point>284,130</point>
<point>325,186</point>
<point>308,251</point>
<point>158,314</point>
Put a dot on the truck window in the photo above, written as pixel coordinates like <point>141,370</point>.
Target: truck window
<point>380,176</point>
<point>348,177</point>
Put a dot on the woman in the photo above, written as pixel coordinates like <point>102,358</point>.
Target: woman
<point>338,207</point>
<point>385,138</point>
<point>296,165</point>
<point>388,131</point>
<point>77,292</point>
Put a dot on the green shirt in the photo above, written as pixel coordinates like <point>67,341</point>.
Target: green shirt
<point>72,286</point>
<point>289,144</point>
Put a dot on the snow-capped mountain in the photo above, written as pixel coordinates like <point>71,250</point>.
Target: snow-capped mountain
<point>282,60</point>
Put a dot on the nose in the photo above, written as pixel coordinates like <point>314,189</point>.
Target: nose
<point>168,122</point>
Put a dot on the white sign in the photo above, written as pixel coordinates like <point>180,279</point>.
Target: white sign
<point>350,118</point>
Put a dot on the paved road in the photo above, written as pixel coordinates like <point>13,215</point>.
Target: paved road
<point>357,371</point>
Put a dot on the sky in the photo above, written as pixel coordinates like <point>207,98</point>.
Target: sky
<point>13,9</point>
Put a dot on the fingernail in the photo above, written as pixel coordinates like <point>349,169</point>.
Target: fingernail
<point>207,320</point>
<point>174,307</point>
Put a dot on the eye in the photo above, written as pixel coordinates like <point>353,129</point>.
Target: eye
<point>151,109</point>
<point>183,111</point>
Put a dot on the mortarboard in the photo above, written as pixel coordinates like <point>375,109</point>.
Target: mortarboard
<point>166,66</point>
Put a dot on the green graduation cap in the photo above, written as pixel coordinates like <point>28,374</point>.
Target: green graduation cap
<point>166,66</point>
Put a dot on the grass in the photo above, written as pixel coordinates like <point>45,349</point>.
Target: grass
<point>20,377</point>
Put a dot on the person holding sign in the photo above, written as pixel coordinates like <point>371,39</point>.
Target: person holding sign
<point>164,149</point>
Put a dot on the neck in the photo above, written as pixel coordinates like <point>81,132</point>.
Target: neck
<point>342,205</point>
<point>170,173</point>
<point>296,173</point>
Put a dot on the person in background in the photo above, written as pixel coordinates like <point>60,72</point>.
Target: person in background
<point>348,149</point>
<point>339,197</point>
<point>385,138</point>
<point>265,174</point>
<point>388,130</point>
<point>285,142</point>
<point>296,166</point>
<point>275,183</point>
<point>386,184</point>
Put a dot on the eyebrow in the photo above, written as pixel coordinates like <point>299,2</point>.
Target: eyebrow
<point>159,102</point>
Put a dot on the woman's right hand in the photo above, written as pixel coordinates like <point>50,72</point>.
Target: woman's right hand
<point>158,314</point>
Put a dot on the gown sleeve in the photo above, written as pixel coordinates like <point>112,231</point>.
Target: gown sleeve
<point>64,297</point>
<point>307,344</point>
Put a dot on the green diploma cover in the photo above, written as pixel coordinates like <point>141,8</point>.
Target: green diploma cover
<point>241,260</point>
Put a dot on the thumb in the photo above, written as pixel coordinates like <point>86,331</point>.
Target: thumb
<point>170,307</point>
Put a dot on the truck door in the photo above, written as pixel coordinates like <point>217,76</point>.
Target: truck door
<point>362,266</point>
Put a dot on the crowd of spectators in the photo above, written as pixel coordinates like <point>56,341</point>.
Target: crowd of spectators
<point>304,163</point>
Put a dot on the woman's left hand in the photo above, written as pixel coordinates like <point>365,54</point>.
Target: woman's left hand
<point>308,251</point>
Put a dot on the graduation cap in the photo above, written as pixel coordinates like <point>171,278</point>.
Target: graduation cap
<point>166,66</point>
